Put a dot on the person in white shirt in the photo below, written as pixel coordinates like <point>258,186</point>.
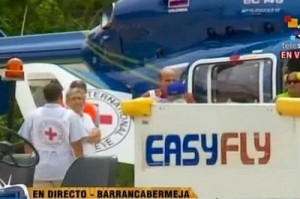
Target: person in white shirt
<point>75,99</point>
<point>57,134</point>
<point>88,107</point>
<point>160,95</point>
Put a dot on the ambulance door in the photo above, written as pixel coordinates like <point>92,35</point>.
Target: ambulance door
<point>240,79</point>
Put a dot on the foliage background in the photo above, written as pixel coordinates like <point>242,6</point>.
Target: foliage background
<point>49,16</point>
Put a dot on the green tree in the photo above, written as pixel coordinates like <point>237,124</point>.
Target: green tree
<point>48,16</point>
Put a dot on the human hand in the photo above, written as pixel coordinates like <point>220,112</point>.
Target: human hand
<point>95,136</point>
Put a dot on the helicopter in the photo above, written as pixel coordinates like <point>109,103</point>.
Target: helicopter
<point>225,51</point>
<point>135,39</point>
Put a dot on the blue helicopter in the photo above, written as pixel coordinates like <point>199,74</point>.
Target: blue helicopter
<point>224,50</point>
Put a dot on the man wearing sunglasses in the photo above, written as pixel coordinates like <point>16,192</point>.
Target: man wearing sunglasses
<point>292,79</point>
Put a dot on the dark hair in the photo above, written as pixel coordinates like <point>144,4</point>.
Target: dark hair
<point>52,92</point>
<point>79,84</point>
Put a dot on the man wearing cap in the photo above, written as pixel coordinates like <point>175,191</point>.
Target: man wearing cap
<point>166,78</point>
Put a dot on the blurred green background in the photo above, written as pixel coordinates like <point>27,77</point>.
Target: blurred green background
<point>48,16</point>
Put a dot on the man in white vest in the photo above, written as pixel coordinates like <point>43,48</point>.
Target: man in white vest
<point>57,134</point>
<point>75,99</point>
<point>166,78</point>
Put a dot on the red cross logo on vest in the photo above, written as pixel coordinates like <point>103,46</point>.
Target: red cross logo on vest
<point>51,134</point>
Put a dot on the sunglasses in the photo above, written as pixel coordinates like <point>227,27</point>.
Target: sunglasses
<point>293,81</point>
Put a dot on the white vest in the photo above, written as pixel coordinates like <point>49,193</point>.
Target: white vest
<point>51,134</point>
<point>152,94</point>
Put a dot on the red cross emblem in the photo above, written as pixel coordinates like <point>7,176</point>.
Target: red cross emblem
<point>51,134</point>
<point>106,119</point>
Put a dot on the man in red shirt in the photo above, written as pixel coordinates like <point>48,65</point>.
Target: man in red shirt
<point>166,77</point>
<point>89,108</point>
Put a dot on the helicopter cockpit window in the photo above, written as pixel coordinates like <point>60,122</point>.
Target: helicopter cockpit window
<point>267,80</point>
<point>107,16</point>
<point>248,81</point>
<point>200,83</point>
<point>284,71</point>
<point>236,83</point>
<point>105,19</point>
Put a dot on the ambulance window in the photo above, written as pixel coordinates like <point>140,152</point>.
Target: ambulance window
<point>36,88</point>
<point>200,83</point>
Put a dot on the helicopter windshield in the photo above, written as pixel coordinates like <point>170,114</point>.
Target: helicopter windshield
<point>105,19</point>
<point>107,15</point>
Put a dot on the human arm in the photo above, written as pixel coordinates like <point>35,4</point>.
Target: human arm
<point>189,98</point>
<point>146,94</point>
<point>25,132</point>
<point>94,136</point>
<point>77,134</point>
<point>77,148</point>
<point>27,149</point>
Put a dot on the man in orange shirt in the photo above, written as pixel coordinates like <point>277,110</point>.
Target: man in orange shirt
<point>89,108</point>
